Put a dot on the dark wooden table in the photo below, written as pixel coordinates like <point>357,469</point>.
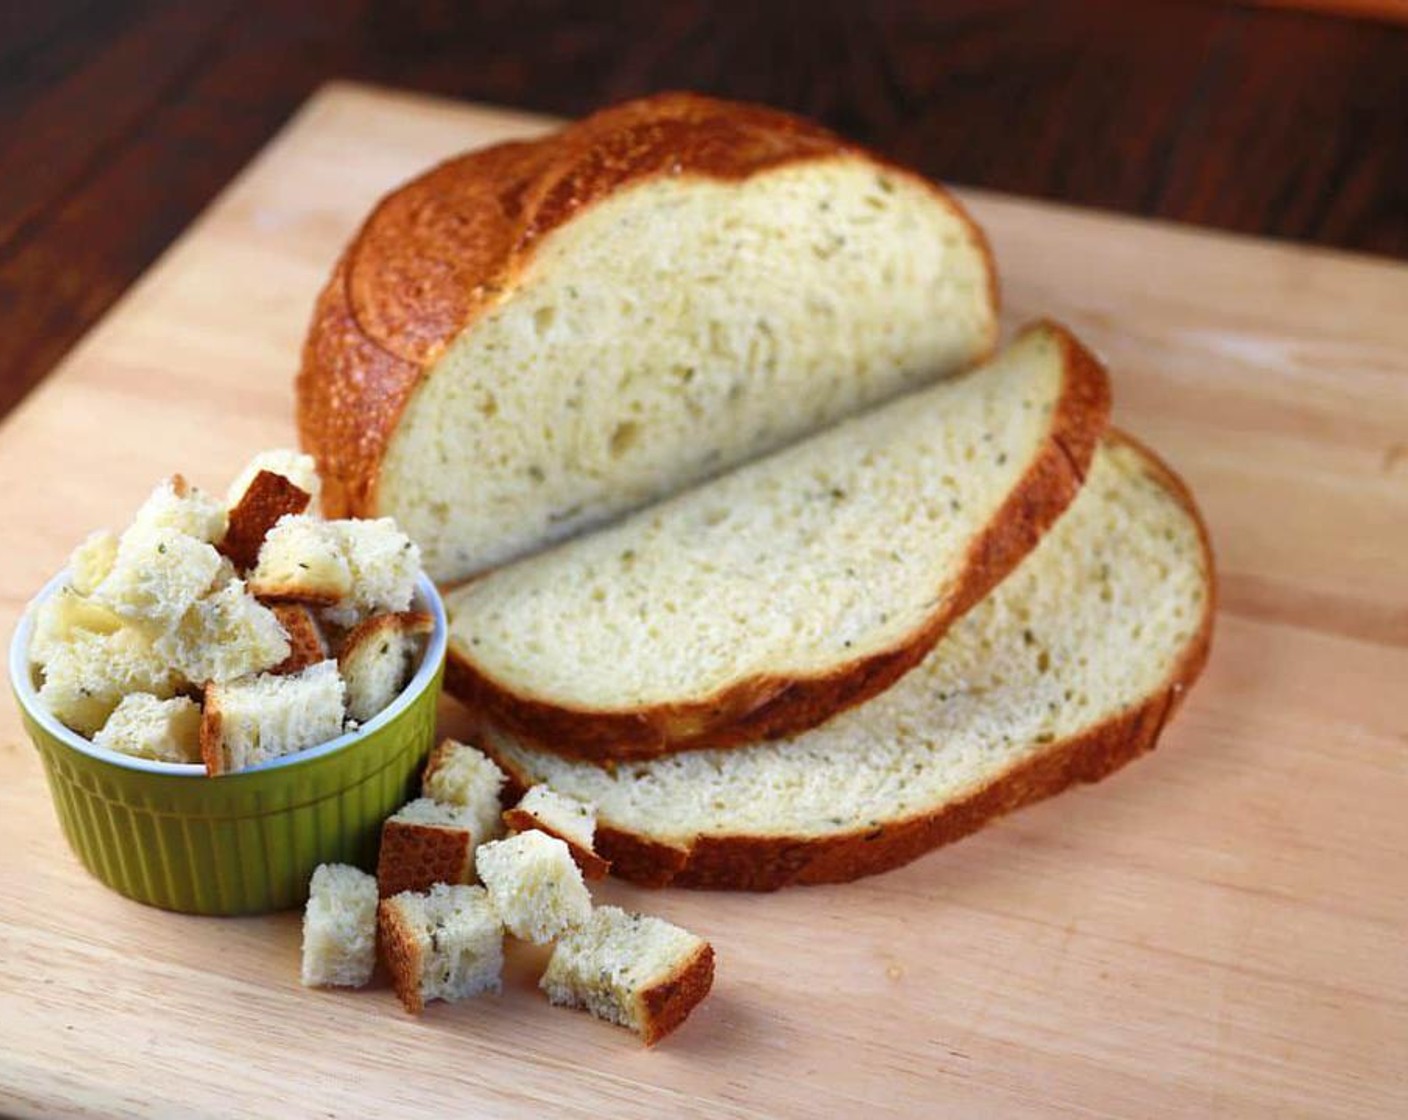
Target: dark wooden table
<point>121,118</point>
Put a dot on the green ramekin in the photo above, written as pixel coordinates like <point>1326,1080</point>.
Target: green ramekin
<point>243,843</point>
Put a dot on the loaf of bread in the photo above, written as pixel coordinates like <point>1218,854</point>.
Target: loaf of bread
<point>534,338</point>
<point>534,885</point>
<point>1066,672</point>
<point>763,602</point>
<point>638,972</point>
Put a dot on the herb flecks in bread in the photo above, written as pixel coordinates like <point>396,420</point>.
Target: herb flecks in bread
<point>458,774</point>
<point>1066,672</point>
<point>534,338</point>
<point>635,971</point>
<point>769,599</point>
<point>534,884</point>
<point>571,821</point>
<point>339,928</point>
<point>445,944</point>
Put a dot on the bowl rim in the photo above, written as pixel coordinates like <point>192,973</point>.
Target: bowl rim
<point>21,681</point>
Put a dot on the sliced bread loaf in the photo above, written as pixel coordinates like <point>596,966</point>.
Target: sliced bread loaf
<point>1066,672</point>
<point>536,337</point>
<point>762,602</point>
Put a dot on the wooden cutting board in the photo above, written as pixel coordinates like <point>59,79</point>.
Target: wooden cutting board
<point>1217,930</point>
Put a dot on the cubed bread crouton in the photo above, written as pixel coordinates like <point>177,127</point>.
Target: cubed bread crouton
<point>461,775</point>
<point>302,560</point>
<point>571,821</point>
<point>534,885</point>
<point>183,508</point>
<point>92,561</point>
<point>339,928</point>
<point>425,842</point>
<point>225,636</point>
<point>384,562</point>
<point>256,719</point>
<point>638,972</point>
<point>298,468</point>
<point>157,574</point>
<point>445,944</point>
<point>148,727</point>
<point>86,677</point>
<point>307,646</point>
<point>62,615</point>
<point>268,497</point>
<point>378,657</point>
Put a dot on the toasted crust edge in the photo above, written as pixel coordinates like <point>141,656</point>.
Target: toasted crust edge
<point>591,865</point>
<point>400,951</point>
<point>267,498</point>
<point>212,731</point>
<point>305,638</point>
<point>770,706</point>
<point>415,856</point>
<point>352,388</point>
<point>757,863</point>
<point>667,1003</point>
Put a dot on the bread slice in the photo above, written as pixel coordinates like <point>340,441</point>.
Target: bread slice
<point>447,943</point>
<point>378,657</point>
<point>425,842</point>
<point>534,338</point>
<point>1067,671</point>
<point>765,601</point>
<point>268,497</point>
<point>534,885</point>
<point>148,727</point>
<point>255,719</point>
<point>339,928</point>
<point>636,971</point>
<point>461,775</point>
<point>569,820</point>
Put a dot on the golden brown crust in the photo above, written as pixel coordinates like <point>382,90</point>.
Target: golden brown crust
<point>269,497</point>
<point>770,707</point>
<point>667,1004</point>
<point>370,629</point>
<point>758,863</point>
<point>212,731</point>
<point>399,949</point>
<point>305,638</point>
<point>437,253</point>
<point>591,865</point>
<point>414,857</point>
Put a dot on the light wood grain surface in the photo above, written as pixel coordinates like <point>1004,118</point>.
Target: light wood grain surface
<point>1218,930</point>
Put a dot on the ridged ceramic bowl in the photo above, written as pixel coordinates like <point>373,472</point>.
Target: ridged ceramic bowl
<point>243,843</point>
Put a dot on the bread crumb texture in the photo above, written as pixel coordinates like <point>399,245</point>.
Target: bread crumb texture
<point>314,639</point>
<point>339,928</point>
<point>1090,626</point>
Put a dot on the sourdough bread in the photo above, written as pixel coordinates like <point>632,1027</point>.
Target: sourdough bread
<point>536,337</point>
<point>761,603</point>
<point>1065,673</point>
